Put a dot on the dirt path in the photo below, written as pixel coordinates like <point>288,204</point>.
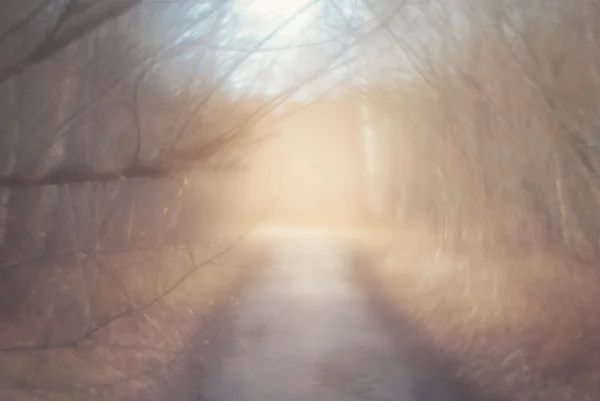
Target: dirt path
<point>303,331</point>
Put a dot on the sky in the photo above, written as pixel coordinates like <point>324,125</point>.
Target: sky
<point>299,46</point>
<point>265,47</point>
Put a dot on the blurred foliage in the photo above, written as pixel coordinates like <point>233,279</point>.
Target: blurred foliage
<point>116,132</point>
<point>496,190</point>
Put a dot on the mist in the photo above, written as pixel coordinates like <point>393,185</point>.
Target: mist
<point>239,200</point>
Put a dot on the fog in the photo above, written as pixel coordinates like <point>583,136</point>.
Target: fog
<point>303,199</point>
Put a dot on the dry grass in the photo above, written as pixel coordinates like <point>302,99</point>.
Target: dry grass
<point>148,314</point>
<point>523,328</point>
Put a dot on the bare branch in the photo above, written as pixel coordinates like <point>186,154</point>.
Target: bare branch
<point>70,28</point>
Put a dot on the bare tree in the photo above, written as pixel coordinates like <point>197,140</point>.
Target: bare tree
<point>496,131</point>
<point>113,140</point>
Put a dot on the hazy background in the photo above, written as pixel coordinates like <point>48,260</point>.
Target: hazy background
<point>142,140</point>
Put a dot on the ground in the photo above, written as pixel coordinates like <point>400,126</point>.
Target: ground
<point>307,329</point>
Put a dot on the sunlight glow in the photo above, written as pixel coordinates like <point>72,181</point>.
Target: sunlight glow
<point>265,16</point>
<point>277,27</point>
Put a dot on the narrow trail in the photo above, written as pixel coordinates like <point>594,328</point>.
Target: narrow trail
<point>303,331</point>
